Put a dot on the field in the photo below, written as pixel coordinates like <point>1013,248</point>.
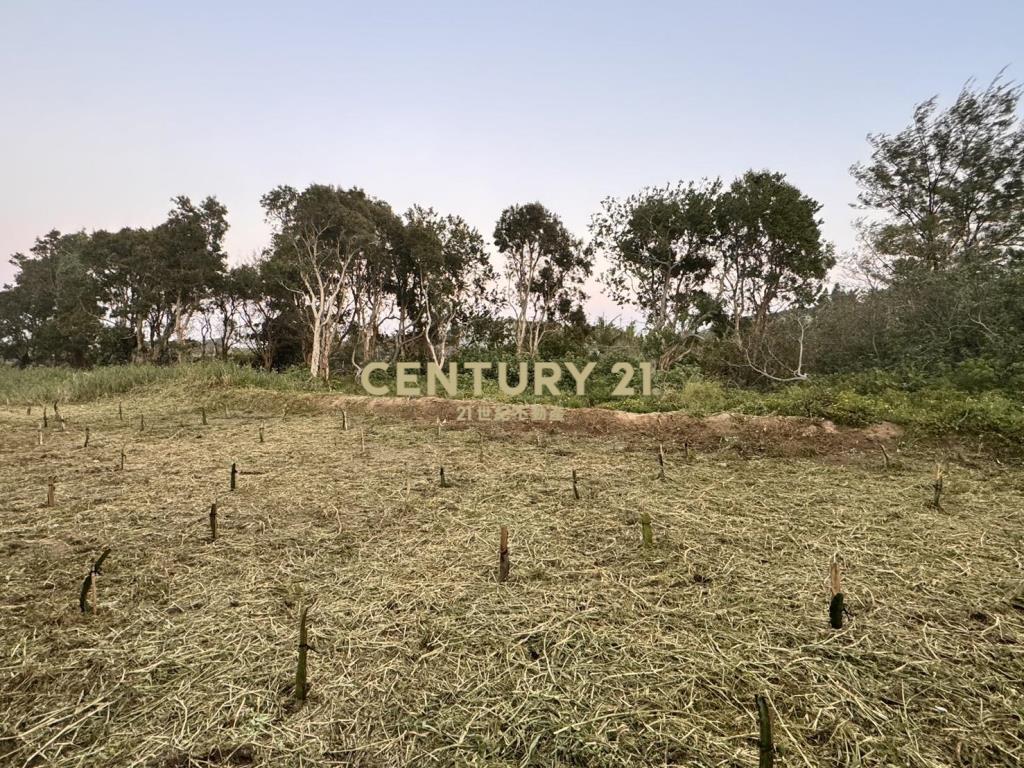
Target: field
<point>597,651</point>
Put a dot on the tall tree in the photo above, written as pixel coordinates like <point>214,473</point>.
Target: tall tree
<point>189,259</point>
<point>949,188</point>
<point>451,277</point>
<point>661,244</point>
<point>121,263</point>
<point>774,259</point>
<point>545,267</point>
<point>51,313</point>
<point>322,235</point>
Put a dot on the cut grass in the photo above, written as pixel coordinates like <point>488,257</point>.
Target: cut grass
<point>596,651</point>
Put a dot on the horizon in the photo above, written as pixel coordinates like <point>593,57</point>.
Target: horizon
<point>506,106</point>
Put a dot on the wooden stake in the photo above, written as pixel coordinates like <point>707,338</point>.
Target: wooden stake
<point>213,521</point>
<point>362,442</point>
<point>86,444</point>
<point>51,489</point>
<point>646,531</point>
<point>444,482</point>
<point>202,413</point>
<point>765,745</point>
<point>686,451</point>
<point>504,566</point>
<point>28,411</point>
<point>122,458</point>
<point>835,606</point>
<point>120,413</point>
<point>40,433</point>
<point>575,488</point>
<point>885,456</point>
<point>142,422</point>
<point>937,486</point>
<point>261,432</point>
<point>234,473</point>
<point>661,462</point>
<point>301,687</point>
<point>344,421</point>
<point>45,422</point>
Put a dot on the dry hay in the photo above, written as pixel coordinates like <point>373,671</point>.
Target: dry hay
<point>596,652</point>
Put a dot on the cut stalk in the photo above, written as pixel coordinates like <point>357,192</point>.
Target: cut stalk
<point>575,487</point>
<point>301,687</point>
<point>87,599</point>
<point>835,606</point>
<point>504,565</point>
<point>765,746</point>
<point>646,530</point>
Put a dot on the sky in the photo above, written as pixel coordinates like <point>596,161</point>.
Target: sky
<point>109,109</point>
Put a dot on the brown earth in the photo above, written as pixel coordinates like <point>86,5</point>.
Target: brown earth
<point>748,435</point>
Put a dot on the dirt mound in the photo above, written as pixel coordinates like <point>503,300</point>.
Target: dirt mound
<point>770,435</point>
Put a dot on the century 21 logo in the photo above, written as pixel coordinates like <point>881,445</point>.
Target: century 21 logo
<point>546,377</point>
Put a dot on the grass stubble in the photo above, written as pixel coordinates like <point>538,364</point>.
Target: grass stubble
<point>595,650</point>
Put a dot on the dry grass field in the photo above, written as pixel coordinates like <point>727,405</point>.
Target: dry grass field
<point>597,651</point>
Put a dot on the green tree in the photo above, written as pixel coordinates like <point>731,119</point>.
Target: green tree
<point>545,267</point>
<point>323,237</point>
<point>51,313</point>
<point>948,190</point>
<point>774,259</point>
<point>450,279</point>
<point>188,261</point>
<point>120,262</point>
<point>661,244</point>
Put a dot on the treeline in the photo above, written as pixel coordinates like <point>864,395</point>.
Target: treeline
<point>730,277</point>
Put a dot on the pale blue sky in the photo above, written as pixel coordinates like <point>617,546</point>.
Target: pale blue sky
<point>111,108</point>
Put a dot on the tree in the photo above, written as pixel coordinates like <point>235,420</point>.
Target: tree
<point>450,278</point>
<point>120,262</point>
<point>189,259</point>
<point>51,313</point>
<point>155,279</point>
<point>661,244</point>
<point>544,267</point>
<point>371,282</point>
<point>949,188</point>
<point>774,259</point>
<point>220,312</point>
<point>321,236</point>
